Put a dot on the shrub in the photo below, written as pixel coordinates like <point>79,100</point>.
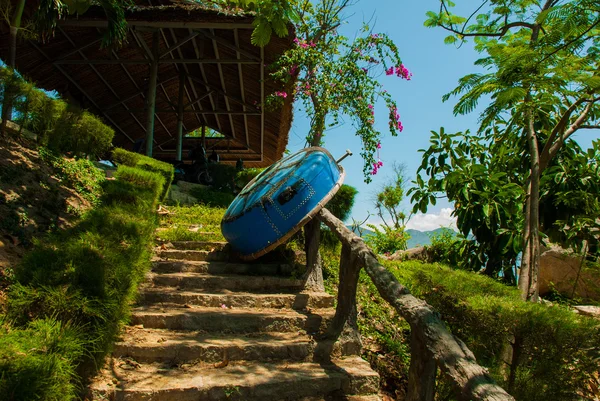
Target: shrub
<point>341,203</point>
<point>63,128</point>
<point>39,359</point>
<point>242,178</point>
<point>131,159</point>
<point>555,351</point>
<point>211,197</point>
<point>387,239</point>
<point>79,174</point>
<point>78,285</point>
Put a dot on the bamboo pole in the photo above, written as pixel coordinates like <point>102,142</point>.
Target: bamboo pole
<point>152,95</point>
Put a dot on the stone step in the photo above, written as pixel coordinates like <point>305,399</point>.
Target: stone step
<point>190,254</point>
<point>244,380</point>
<point>186,266</point>
<point>197,245</point>
<point>156,345</point>
<point>230,320</point>
<point>227,282</point>
<point>298,301</point>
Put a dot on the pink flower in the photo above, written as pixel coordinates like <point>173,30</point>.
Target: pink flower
<point>378,145</point>
<point>304,45</point>
<point>312,44</point>
<point>281,94</point>
<point>296,41</point>
<point>389,71</point>
<point>370,106</point>
<point>293,69</point>
<point>403,72</point>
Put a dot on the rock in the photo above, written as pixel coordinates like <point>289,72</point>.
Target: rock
<point>588,310</point>
<point>418,253</point>
<point>180,197</point>
<point>559,269</point>
<point>185,186</point>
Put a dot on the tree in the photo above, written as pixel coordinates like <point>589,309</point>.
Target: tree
<point>333,77</point>
<point>391,236</point>
<point>44,20</point>
<point>543,83</point>
<point>483,178</point>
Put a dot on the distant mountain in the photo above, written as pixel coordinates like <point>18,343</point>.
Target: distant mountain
<point>417,238</point>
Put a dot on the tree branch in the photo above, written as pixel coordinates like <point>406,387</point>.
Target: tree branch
<point>570,131</point>
<point>587,126</point>
<point>501,33</point>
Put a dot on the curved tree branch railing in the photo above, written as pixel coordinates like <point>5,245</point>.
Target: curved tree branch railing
<point>432,345</point>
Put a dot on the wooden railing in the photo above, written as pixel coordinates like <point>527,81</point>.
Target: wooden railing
<point>432,345</point>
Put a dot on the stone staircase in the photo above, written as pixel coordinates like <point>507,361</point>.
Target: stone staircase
<point>210,327</point>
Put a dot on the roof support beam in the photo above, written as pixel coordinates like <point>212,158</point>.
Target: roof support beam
<point>161,61</point>
<point>159,24</point>
<point>212,102</point>
<point>143,46</point>
<point>201,98</point>
<point>220,69</point>
<point>83,92</point>
<point>77,50</point>
<point>203,112</point>
<point>179,44</point>
<point>235,47</point>
<point>151,98</point>
<point>139,93</point>
<point>262,103</point>
<point>179,144</point>
<point>242,90</point>
<point>221,92</point>
<point>185,68</point>
<point>110,88</point>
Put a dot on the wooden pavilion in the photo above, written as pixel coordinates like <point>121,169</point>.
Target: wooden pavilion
<point>184,66</point>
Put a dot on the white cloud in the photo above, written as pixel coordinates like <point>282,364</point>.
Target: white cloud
<point>432,221</point>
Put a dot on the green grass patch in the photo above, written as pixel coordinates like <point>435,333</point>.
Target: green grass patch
<point>201,219</point>
<point>73,291</point>
<point>131,159</point>
<point>213,198</point>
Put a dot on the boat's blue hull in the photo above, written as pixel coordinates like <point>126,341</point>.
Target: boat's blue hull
<point>279,201</point>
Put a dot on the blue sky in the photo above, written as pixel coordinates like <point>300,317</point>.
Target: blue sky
<point>436,68</point>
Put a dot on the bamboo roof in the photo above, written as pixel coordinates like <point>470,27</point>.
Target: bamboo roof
<point>225,78</point>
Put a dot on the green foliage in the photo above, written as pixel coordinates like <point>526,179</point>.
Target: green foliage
<point>556,350</point>
<point>483,179</point>
<point>243,177</point>
<point>62,128</point>
<point>387,240</point>
<point>341,203</point>
<point>79,174</point>
<point>334,77</point>
<point>445,247</point>
<point>80,283</point>
<point>181,218</point>
<point>131,159</point>
<point>40,360</point>
<point>49,12</point>
<point>223,176</point>
<point>541,63</point>
<point>213,198</point>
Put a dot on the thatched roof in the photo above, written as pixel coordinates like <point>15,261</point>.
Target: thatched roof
<point>222,86</point>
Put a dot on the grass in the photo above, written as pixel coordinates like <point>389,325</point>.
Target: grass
<point>73,291</point>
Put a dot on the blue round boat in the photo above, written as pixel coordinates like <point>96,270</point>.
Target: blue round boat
<point>280,201</point>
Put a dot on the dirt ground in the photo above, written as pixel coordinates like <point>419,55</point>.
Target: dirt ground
<point>33,202</point>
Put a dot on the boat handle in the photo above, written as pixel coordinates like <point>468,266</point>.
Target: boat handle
<point>288,194</point>
<point>348,153</point>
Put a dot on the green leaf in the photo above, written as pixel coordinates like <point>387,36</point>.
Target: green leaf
<point>261,35</point>
<point>450,39</point>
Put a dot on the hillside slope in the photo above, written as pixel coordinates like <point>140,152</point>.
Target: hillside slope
<point>39,193</point>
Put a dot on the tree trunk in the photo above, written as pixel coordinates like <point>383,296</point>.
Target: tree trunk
<point>530,263</point>
<point>15,24</point>
<point>312,231</point>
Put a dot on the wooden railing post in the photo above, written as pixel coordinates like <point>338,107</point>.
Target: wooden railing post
<point>431,344</point>
<point>422,371</point>
<point>314,272</point>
